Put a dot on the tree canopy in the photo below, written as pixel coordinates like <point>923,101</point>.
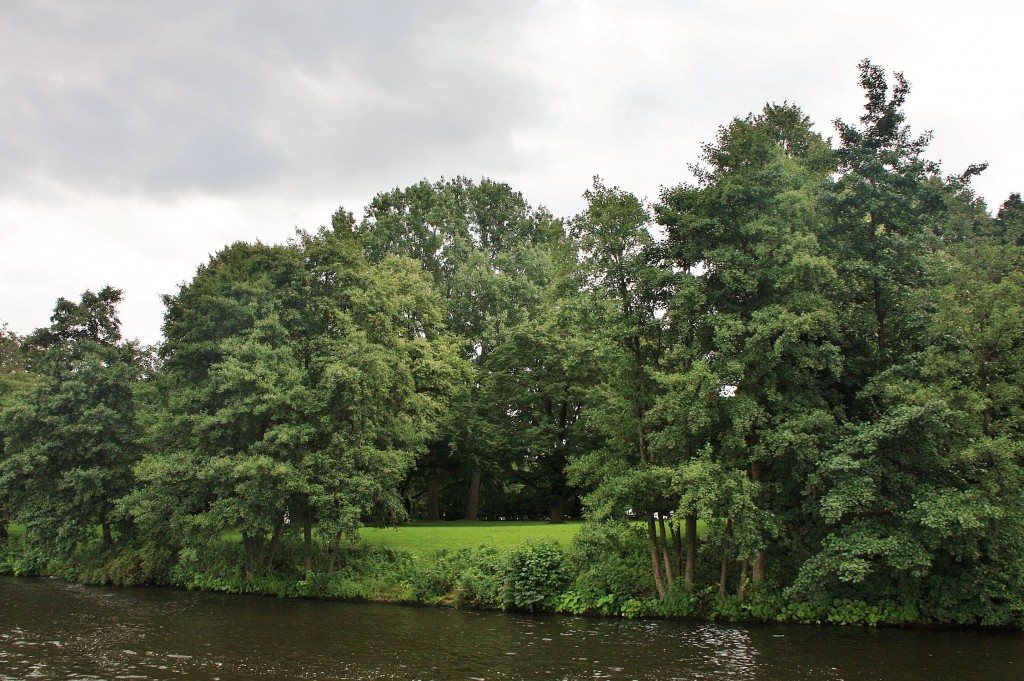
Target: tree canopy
<point>810,358</point>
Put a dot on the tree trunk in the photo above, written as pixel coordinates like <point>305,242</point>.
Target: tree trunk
<point>652,540</point>
<point>335,541</point>
<point>473,499</point>
<point>557,516</point>
<point>677,544</point>
<point>723,576</point>
<point>253,553</point>
<point>307,536</point>
<point>670,571</point>
<point>433,497</point>
<point>744,571</point>
<point>876,295</point>
<point>275,539</point>
<point>642,442</point>
<point>757,474</point>
<point>108,535</point>
<point>758,575</point>
<point>691,550</point>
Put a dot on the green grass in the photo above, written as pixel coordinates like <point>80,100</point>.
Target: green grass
<point>16,530</point>
<point>232,536</point>
<point>425,538</point>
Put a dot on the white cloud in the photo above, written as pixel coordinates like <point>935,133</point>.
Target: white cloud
<point>138,137</point>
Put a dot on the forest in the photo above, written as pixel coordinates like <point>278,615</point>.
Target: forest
<point>790,388</point>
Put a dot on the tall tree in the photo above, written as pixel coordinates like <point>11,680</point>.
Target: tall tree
<point>883,208</point>
<point>1009,221</point>
<point>621,271</point>
<point>484,248</point>
<point>748,387</point>
<point>71,438</point>
<point>539,378</point>
<point>299,380</point>
<point>919,484</point>
<point>922,501</point>
<point>14,378</point>
<point>14,374</point>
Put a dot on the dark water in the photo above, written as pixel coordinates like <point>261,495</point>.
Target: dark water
<point>52,630</point>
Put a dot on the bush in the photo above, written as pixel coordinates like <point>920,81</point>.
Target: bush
<point>436,576</point>
<point>383,573</point>
<point>534,577</point>
<point>612,568</point>
<point>21,558</point>
<point>679,602</point>
<point>482,578</point>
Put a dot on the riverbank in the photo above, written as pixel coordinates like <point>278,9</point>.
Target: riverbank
<point>582,569</point>
<point>517,566</point>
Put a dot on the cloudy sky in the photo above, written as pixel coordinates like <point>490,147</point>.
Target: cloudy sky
<point>137,138</point>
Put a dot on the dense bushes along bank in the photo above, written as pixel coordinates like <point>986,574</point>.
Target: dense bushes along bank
<point>603,572</point>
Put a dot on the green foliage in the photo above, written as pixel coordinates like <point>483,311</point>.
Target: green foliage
<point>298,379</point>
<point>815,352</point>
<point>493,259</point>
<point>534,576</point>
<point>70,435</point>
<point>682,602</point>
<point>21,558</point>
<point>481,583</point>
<point>846,611</point>
<point>437,575</point>
<point>610,563</point>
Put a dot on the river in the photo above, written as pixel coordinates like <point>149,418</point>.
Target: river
<point>53,630</point>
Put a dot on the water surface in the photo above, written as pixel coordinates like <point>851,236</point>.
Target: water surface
<point>53,630</point>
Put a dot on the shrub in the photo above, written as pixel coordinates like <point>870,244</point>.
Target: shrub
<point>436,576</point>
<point>534,577</point>
<point>21,558</point>
<point>610,558</point>
<point>680,602</point>
<point>482,578</point>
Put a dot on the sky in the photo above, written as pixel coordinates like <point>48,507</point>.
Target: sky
<point>138,138</point>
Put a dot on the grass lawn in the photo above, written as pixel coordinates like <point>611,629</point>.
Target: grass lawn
<point>425,538</point>
<point>15,530</point>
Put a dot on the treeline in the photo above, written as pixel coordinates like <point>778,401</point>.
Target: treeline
<point>813,354</point>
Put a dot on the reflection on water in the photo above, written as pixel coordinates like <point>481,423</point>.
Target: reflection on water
<point>52,630</point>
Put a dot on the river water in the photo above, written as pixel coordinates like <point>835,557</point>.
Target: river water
<point>53,630</point>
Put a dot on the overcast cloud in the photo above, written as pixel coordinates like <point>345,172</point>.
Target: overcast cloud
<point>137,138</point>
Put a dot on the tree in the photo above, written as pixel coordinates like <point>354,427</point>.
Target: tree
<point>14,374</point>
<point>14,378</point>
<point>1009,221</point>
<point>747,385</point>
<point>621,271</point>
<point>71,438</point>
<point>539,377</point>
<point>921,499</point>
<point>918,494</point>
<point>485,250</point>
<point>298,380</point>
<point>881,202</point>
